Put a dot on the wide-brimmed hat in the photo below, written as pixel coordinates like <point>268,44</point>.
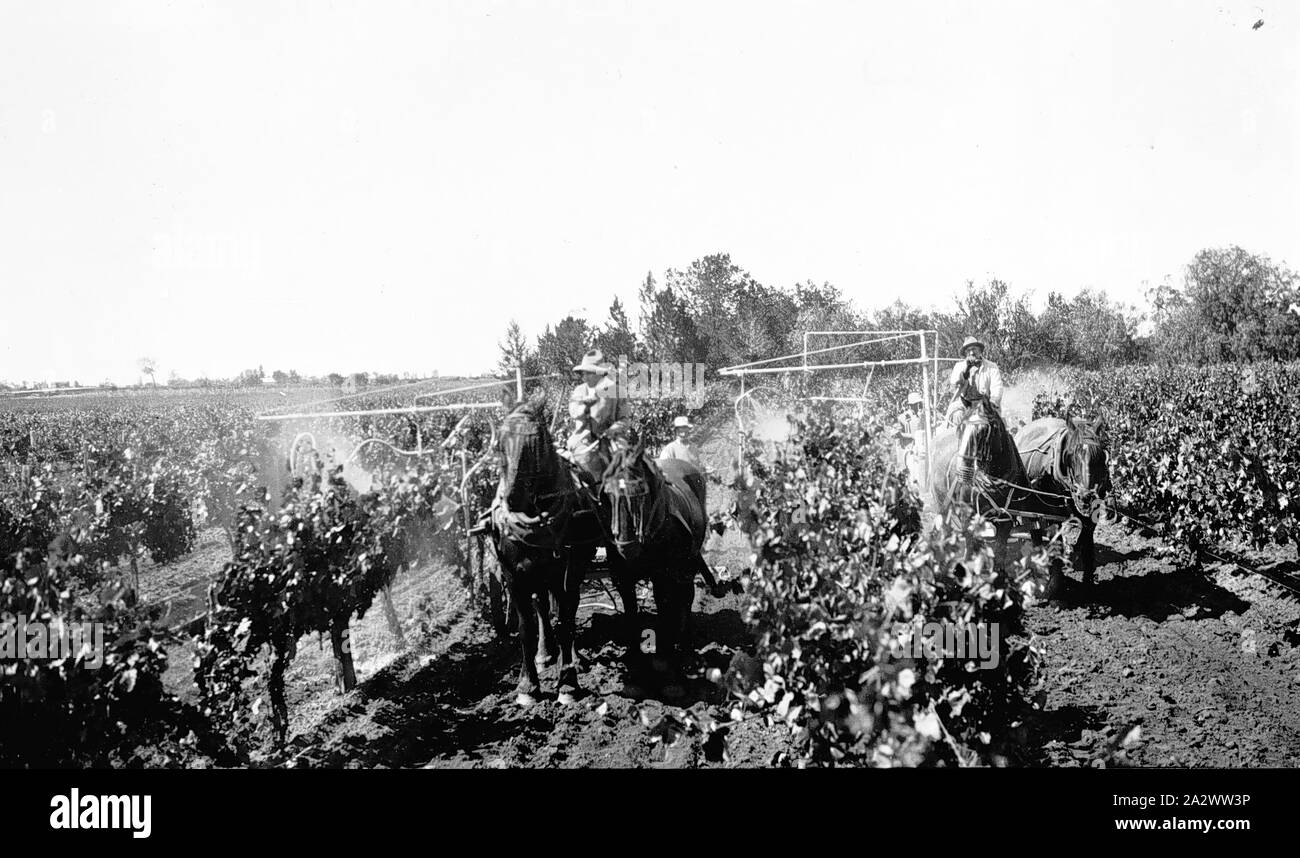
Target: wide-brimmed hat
<point>593,361</point>
<point>914,399</point>
<point>682,422</point>
<point>972,341</point>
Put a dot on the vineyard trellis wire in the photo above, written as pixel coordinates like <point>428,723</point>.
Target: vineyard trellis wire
<point>927,361</point>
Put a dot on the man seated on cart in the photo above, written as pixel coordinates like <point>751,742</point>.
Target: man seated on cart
<point>973,378</point>
<point>594,406</point>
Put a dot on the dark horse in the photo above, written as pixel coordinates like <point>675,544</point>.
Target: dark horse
<point>539,519</point>
<point>1067,460</point>
<point>658,523</point>
<point>979,465</point>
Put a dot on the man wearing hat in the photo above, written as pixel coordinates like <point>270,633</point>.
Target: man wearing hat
<point>594,406</point>
<point>911,434</point>
<point>679,447</point>
<point>973,378</point>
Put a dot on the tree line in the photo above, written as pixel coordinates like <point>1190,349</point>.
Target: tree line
<point>1232,305</point>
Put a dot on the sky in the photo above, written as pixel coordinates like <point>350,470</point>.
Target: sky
<point>383,186</point>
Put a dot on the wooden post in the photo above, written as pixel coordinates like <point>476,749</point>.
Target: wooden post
<point>925,405</point>
<point>519,382</point>
<point>938,385</point>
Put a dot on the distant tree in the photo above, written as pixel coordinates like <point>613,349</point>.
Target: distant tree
<point>335,379</point>
<point>734,315</point>
<point>668,328</point>
<point>1101,333</point>
<point>1233,306</point>
<point>617,338</point>
<point>821,308</point>
<point>148,366</point>
<point>561,348</point>
<point>280,377</point>
<point>1004,322</point>
<point>516,351</point>
<point>249,378</point>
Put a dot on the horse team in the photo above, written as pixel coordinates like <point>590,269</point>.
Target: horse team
<point>1052,470</point>
<point>553,515</point>
<point>650,516</point>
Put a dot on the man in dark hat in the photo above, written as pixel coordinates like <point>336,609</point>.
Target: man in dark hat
<point>973,378</point>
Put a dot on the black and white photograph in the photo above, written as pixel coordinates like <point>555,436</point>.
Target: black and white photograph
<point>479,387</point>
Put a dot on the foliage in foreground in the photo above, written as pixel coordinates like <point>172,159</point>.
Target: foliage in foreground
<point>309,566</point>
<point>83,707</point>
<point>846,579</point>
<point>1210,454</point>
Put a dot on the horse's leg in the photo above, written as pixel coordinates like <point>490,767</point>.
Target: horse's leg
<point>674,588</point>
<point>547,650</point>
<point>685,596</point>
<point>567,590</point>
<point>522,597</point>
<point>625,580</point>
<point>1086,551</point>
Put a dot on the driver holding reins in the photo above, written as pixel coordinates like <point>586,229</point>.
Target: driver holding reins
<point>594,406</point>
<point>973,378</point>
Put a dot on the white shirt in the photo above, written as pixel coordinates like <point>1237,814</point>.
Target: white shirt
<point>985,378</point>
<point>679,449</point>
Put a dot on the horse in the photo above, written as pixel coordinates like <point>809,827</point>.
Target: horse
<point>536,524</point>
<point>980,466</point>
<point>1067,460</point>
<point>658,521</point>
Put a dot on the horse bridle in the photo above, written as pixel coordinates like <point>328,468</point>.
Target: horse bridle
<point>628,495</point>
<point>633,503</point>
<point>970,460</point>
<point>1061,472</point>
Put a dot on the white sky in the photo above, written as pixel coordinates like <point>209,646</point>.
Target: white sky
<point>382,185</point>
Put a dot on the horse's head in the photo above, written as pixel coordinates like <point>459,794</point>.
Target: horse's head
<point>528,463</point>
<point>1083,462</point>
<point>631,486</point>
<point>982,448</point>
